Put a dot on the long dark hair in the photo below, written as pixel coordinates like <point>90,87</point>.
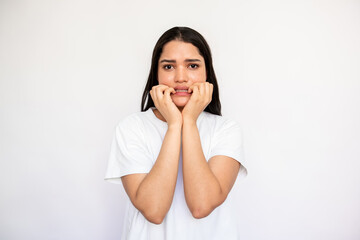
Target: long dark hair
<point>187,35</point>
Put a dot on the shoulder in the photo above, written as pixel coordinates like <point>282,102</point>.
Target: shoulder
<point>220,122</point>
<point>133,120</point>
<point>132,125</point>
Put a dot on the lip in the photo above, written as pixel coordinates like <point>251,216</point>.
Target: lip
<point>182,94</point>
<point>181,88</point>
<point>182,91</point>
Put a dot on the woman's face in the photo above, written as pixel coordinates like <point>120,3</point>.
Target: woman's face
<point>180,66</point>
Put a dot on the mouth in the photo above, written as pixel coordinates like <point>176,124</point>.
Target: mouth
<point>181,90</point>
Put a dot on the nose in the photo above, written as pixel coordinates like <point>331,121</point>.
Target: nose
<point>181,75</point>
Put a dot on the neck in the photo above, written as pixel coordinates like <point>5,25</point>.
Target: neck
<point>159,116</point>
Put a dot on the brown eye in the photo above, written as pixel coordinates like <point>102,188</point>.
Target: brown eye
<point>167,67</point>
<point>193,66</point>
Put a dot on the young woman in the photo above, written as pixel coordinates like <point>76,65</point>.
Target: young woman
<point>178,159</point>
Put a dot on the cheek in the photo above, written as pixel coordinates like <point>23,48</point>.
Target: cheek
<point>199,77</point>
<point>164,79</point>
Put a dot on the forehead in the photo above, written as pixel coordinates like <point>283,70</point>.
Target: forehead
<point>179,49</point>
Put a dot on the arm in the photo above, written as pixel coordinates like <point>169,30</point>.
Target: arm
<point>206,184</point>
<point>152,193</point>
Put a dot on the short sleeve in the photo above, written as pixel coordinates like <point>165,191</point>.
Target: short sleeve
<point>128,154</point>
<point>228,141</point>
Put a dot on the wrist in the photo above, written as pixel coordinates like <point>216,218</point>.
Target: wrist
<point>175,125</point>
<point>189,120</point>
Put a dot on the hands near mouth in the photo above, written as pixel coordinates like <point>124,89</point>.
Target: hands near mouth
<point>201,96</point>
<point>160,94</point>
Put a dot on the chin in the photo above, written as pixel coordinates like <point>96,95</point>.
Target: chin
<point>180,105</point>
<point>180,102</point>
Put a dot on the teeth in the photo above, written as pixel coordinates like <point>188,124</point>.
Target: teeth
<point>181,90</point>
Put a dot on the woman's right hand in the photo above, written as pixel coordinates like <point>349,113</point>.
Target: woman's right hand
<point>160,94</point>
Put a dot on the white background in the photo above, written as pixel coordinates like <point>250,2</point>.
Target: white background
<point>289,71</point>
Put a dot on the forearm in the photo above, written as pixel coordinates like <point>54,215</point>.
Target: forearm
<point>203,192</point>
<point>155,193</point>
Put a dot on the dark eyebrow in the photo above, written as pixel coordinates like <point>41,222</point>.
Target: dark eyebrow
<point>186,60</point>
<point>192,60</point>
<point>166,60</point>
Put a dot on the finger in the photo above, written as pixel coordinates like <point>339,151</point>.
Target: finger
<point>159,91</point>
<point>196,84</point>
<point>153,96</point>
<point>202,89</point>
<point>211,90</point>
<point>207,91</point>
<point>195,90</point>
<point>159,88</point>
<point>173,91</point>
<point>167,92</point>
<point>192,87</point>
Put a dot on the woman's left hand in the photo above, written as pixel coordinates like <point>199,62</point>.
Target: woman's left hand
<point>200,98</point>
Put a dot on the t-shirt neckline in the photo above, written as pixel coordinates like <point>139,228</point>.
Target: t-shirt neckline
<point>158,121</point>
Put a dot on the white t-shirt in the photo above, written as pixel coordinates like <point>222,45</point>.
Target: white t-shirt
<point>135,148</point>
